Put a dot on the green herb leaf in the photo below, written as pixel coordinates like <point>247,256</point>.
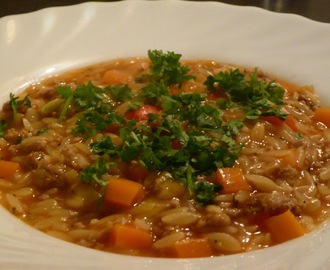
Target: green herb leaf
<point>204,192</point>
<point>121,93</point>
<point>3,127</point>
<point>41,131</point>
<point>103,146</point>
<point>95,172</point>
<point>255,96</point>
<point>153,91</point>
<point>15,103</point>
<point>166,68</point>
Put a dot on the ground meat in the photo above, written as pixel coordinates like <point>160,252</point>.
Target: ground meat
<point>273,203</point>
<point>49,175</point>
<point>74,158</point>
<point>277,171</point>
<point>309,99</point>
<point>37,143</point>
<point>14,136</point>
<point>286,172</point>
<point>34,159</point>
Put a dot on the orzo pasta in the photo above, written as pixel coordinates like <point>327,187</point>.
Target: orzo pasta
<point>166,158</point>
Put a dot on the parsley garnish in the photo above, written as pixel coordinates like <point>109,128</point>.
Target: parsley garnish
<point>205,191</point>
<point>121,93</point>
<point>95,172</point>
<point>89,97</point>
<point>15,103</point>
<point>3,127</point>
<point>166,68</point>
<point>206,139</point>
<point>200,153</point>
<point>41,131</point>
<point>255,96</point>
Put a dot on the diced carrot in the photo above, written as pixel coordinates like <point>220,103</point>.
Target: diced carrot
<point>192,248</point>
<point>137,173</point>
<point>322,115</point>
<point>232,180</point>
<point>285,227</point>
<point>115,76</point>
<point>8,169</point>
<point>123,192</point>
<point>127,236</point>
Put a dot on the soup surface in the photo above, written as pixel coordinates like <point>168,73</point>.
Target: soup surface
<point>166,158</point>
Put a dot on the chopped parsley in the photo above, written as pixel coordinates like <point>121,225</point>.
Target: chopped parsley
<point>204,138</point>
<point>41,131</point>
<point>166,68</point>
<point>3,127</point>
<point>255,96</point>
<point>96,171</point>
<point>15,103</point>
<point>85,97</point>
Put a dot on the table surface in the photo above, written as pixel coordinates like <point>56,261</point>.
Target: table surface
<point>318,10</point>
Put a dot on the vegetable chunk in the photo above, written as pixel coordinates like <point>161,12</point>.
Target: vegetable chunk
<point>115,76</point>
<point>285,227</point>
<point>126,236</point>
<point>323,115</point>
<point>8,169</point>
<point>192,248</point>
<point>123,193</point>
<point>232,180</point>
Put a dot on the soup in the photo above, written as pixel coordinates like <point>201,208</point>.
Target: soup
<point>162,157</point>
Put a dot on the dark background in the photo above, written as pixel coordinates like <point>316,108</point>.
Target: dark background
<point>318,10</point>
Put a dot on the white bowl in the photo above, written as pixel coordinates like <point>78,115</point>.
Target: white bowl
<point>39,44</point>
